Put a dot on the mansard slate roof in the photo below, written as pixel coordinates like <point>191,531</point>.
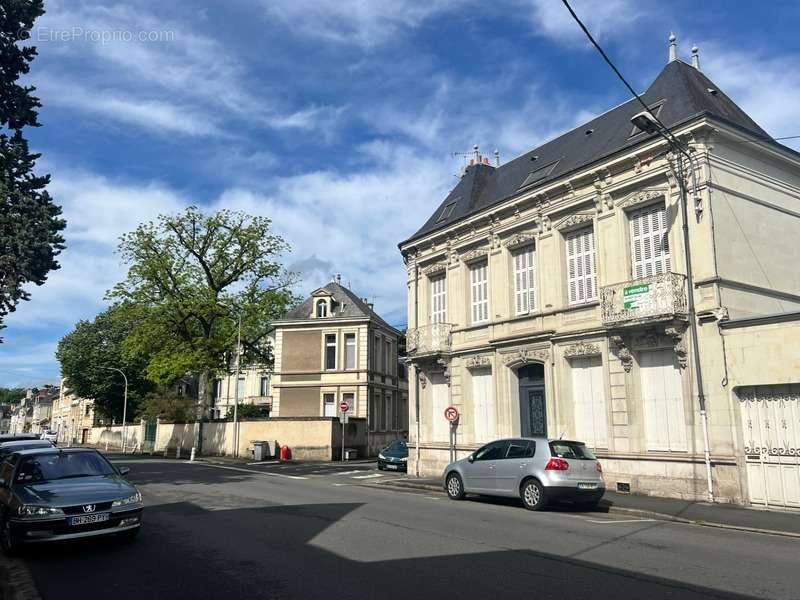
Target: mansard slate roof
<point>345,305</point>
<point>679,94</point>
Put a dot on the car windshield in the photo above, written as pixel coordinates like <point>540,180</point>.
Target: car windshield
<point>47,467</point>
<point>575,450</point>
<point>397,446</point>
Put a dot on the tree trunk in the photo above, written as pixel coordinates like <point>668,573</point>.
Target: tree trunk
<point>203,394</point>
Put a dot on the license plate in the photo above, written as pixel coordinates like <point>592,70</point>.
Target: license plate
<point>87,519</point>
<point>587,486</point>
<point>392,467</point>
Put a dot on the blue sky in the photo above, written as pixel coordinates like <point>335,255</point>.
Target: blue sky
<point>338,119</point>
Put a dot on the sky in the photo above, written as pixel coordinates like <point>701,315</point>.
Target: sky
<point>339,120</point>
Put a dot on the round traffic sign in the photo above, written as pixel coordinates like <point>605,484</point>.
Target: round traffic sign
<point>344,406</point>
<point>451,414</point>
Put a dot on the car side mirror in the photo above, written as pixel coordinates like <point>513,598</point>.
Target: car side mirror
<point>124,470</point>
<point>471,458</point>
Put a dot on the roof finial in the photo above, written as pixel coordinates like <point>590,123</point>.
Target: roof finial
<point>673,48</point>
<point>696,57</point>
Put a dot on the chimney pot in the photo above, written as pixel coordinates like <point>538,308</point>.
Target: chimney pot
<point>696,57</point>
<point>673,48</point>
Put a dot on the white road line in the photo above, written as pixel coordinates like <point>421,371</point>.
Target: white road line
<point>265,462</point>
<point>622,521</point>
<point>348,473</point>
<point>367,476</point>
<point>267,473</point>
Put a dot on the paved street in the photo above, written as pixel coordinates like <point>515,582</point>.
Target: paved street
<point>263,531</point>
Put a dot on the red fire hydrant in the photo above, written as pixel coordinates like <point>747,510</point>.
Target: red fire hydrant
<point>286,454</point>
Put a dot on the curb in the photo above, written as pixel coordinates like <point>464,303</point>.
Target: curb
<point>619,510</point>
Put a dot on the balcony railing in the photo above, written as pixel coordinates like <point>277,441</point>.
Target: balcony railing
<point>429,339</point>
<point>648,299</point>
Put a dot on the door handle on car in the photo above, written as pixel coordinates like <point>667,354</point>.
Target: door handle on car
<point>523,465</point>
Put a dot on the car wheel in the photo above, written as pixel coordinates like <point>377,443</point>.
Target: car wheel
<point>380,467</point>
<point>7,539</point>
<point>533,496</point>
<point>455,487</point>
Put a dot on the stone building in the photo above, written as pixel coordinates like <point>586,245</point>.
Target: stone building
<point>548,296</point>
<point>334,347</point>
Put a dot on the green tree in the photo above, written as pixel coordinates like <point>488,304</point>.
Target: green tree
<point>30,225</point>
<point>89,351</point>
<point>168,407</point>
<point>247,411</point>
<point>11,395</point>
<point>193,275</point>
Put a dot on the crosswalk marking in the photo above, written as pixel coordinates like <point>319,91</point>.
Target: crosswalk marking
<point>368,476</point>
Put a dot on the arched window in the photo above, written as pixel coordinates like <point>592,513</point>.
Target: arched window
<point>322,308</point>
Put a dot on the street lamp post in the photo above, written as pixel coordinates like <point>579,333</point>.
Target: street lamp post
<point>124,407</point>
<point>236,391</point>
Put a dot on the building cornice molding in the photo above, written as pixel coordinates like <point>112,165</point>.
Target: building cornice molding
<point>475,254</point>
<point>574,220</point>
<point>435,268</point>
<point>519,240</point>
<point>641,197</point>
<point>523,356</point>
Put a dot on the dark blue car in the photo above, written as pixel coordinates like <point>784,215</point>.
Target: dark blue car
<point>394,457</point>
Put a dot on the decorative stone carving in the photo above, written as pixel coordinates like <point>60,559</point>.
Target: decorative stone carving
<point>479,361</point>
<point>574,220</point>
<point>445,365</point>
<point>581,349</point>
<point>569,190</point>
<point>526,355</point>
<point>676,333</point>
<point>475,254</point>
<point>423,381</point>
<point>622,352</point>
<point>519,239</point>
<point>542,199</point>
<point>435,268</point>
<point>641,197</point>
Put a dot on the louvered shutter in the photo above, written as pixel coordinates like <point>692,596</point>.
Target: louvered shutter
<point>438,300</point>
<point>483,406</point>
<point>649,241</point>
<point>480,295</point>
<point>662,398</point>
<point>588,393</point>
<point>581,268</point>
<point>525,280</point>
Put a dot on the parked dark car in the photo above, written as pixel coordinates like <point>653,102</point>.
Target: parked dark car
<point>62,494</point>
<point>394,457</point>
<point>13,437</point>
<point>7,448</point>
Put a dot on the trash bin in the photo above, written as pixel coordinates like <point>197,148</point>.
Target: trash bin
<point>350,454</point>
<point>260,450</point>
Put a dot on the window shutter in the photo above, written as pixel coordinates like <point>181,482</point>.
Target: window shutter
<point>525,280</point>
<point>483,406</point>
<point>438,300</point>
<point>650,241</point>
<point>581,269</point>
<point>480,292</point>
<point>588,392</point>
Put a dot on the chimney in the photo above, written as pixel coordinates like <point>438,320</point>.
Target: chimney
<point>497,158</point>
<point>673,48</point>
<point>339,278</point>
<point>696,57</point>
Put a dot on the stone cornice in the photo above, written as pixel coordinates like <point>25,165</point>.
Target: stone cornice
<point>642,197</point>
<point>574,220</point>
<point>519,239</point>
<point>475,254</point>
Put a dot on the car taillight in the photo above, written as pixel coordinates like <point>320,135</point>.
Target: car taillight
<point>557,464</point>
<point>599,467</point>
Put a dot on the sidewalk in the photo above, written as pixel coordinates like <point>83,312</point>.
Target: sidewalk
<point>670,509</point>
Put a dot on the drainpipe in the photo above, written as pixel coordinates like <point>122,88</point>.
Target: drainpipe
<point>693,326</point>
<point>416,366</point>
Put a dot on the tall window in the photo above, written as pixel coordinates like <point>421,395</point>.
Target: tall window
<point>649,241</point>
<point>589,398</point>
<point>322,308</point>
<point>376,358</point>
<point>387,356</point>
<point>581,268</point>
<point>264,386</point>
<point>483,406</point>
<point>330,352</point>
<point>438,300</point>
<point>328,405</point>
<point>350,398</point>
<point>479,284</point>
<point>349,350</point>
<point>241,386</point>
<point>525,280</point>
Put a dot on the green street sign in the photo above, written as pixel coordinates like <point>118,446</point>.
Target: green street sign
<point>635,295</point>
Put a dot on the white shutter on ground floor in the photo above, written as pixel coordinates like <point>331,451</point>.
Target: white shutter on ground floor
<point>589,397</point>
<point>483,407</point>
<point>662,399</point>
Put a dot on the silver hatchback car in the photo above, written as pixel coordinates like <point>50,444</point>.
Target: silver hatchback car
<point>538,470</point>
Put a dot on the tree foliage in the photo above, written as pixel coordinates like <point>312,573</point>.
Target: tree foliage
<point>30,225</point>
<point>167,407</point>
<point>11,395</point>
<point>247,411</point>
<point>193,275</point>
<point>88,353</point>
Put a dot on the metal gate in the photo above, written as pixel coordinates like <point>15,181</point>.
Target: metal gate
<point>771,426</point>
<point>150,428</point>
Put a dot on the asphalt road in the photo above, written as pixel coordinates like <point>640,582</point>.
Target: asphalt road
<point>266,532</point>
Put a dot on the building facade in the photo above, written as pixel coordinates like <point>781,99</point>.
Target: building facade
<point>72,417</point>
<point>548,296</point>
<point>335,348</point>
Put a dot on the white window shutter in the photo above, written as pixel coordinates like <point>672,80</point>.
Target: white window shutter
<point>483,406</point>
<point>588,392</point>
<point>649,241</point>
<point>438,300</point>
<point>525,280</point>
<point>480,292</point>
<point>581,268</point>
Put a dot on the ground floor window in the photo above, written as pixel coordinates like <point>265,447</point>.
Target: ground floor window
<point>440,428</point>
<point>589,401</point>
<point>328,405</point>
<point>483,406</point>
<point>662,401</point>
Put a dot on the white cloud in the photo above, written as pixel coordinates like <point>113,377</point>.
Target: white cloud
<point>608,18</point>
<point>364,23</point>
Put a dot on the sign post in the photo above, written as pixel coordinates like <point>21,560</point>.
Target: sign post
<point>344,407</point>
<point>451,414</point>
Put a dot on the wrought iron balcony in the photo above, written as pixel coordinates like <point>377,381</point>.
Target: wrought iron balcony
<point>429,339</point>
<point>653,298</point>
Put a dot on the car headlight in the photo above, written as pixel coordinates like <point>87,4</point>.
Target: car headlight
<point>381,456</point>
<point>28,511</point>
<point>404,459</point>
<point>135,499</point>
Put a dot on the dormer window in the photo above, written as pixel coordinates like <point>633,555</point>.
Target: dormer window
<point>322,308</point>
